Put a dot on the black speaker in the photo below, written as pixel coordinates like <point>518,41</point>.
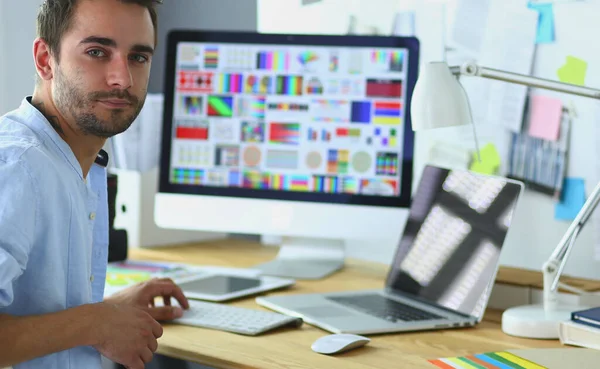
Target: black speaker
<point>117,238</point>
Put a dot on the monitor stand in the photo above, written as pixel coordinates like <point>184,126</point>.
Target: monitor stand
<point>306,258</point>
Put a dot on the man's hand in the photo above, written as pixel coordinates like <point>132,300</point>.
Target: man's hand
<point>126,334</point>
<point>142,296</point>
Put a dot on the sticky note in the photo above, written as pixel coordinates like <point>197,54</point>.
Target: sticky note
<point>544,120</point>
<point>545,28</point>
<point>490,160</point>
<point>573,71</point>
<point>571,200</point>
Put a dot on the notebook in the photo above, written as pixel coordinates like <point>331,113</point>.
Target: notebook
<point>590,317</point>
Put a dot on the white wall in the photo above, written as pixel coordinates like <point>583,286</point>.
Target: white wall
<point>289,16</point>
<point>17,32</point>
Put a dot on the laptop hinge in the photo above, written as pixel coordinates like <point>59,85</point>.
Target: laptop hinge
<point>409,296</point>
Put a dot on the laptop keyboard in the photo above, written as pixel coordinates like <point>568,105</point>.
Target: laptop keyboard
<point>381,307</point>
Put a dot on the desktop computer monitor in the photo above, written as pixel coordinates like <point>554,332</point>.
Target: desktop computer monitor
<point>302,136</point>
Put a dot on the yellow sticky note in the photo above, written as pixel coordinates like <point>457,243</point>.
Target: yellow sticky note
<point>490,160</point>
<point>573,71</point>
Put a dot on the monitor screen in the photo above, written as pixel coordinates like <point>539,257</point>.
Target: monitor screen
<point>307,118</point>
<point>450,249</point>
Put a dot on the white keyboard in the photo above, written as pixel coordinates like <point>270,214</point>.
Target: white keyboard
<point>234,319</point>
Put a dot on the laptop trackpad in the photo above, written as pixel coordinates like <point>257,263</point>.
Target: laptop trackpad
<point>324,311</point>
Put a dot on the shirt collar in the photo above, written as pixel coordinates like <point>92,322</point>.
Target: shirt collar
<point>39,123</point>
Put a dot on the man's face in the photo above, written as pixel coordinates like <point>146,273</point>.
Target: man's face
<point>102,76</point>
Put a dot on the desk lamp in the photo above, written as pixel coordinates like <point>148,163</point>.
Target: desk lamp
<point>440,101</point>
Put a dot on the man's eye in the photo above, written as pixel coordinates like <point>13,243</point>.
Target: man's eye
<point>96,53</point>
<point>139,58</point>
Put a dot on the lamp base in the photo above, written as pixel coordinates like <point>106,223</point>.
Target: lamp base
<point>532,321</point>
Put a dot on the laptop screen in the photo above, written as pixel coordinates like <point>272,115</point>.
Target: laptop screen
<point>450,248</point>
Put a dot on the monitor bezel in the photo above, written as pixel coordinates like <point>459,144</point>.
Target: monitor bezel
<point>178,35</point>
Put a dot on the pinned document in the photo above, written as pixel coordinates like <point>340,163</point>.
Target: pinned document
<point>573,71</point>
<point>505,48</point>
<point>546,113</point>
<point>404,24</point>
<point>545,30</point>
<point>490,160</point>
<point>571,200</point>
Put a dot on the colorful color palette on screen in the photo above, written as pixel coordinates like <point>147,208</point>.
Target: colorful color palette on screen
<point>490,360</point>
<point>289,117</point>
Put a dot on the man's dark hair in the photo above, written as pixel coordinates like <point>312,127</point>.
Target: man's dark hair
<point>56,16</point>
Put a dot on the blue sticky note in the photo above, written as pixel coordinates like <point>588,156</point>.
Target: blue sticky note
<point>545,30</point>
<point>571,200</point>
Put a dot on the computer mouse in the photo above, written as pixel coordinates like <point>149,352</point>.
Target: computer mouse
<point>339,342</point>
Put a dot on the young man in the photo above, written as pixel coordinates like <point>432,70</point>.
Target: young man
<point>93,62</point>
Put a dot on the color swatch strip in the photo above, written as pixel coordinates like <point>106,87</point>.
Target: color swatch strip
<point>489,360</point>
<point>289,85</point>
<point>273,60</point>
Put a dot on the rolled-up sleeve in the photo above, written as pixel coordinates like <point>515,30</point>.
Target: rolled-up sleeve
<point>17,224</point>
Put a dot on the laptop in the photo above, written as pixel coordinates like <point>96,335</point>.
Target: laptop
<point>444,266</point>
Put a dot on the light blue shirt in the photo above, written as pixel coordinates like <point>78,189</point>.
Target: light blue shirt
<point>53,229</point>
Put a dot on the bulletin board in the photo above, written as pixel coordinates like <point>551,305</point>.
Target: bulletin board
<point>576,29</point>
<point>543,219</point>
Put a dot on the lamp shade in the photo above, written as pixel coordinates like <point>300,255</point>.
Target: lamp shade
<point>438,99</point>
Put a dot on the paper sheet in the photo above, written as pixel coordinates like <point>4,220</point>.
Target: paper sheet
<point>404,24</point>
<point>545,30</point>
<point>470,25</point>
<point>430,28</point>
<point>447,155</point>
<point>549,358</point>
<point>150,144</point>
<point>509,45</point>
<point>572,199</point>
<point>573,71</point>
<point>139,147</point>
<point>546,113</point>
<point>499,359</point>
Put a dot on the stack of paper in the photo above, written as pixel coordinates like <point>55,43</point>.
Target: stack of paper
<point>577,334</point>
<point>559,358</point>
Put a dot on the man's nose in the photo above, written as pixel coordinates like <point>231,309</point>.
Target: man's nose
<point>119,75</point>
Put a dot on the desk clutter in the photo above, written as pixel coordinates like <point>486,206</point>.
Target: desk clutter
<point>582,330</point>
<point>560,358</point>
<point>203,282</point>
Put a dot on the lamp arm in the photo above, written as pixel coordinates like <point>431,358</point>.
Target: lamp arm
<point>563,249</point>
<point>553,267</point>
<point>473,70</point>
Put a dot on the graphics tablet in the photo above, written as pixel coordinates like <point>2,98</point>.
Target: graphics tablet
<point>211,283</point>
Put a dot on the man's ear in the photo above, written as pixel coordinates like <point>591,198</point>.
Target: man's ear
<point>42,59</point>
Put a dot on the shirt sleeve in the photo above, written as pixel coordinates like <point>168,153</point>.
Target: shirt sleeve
<point>17,224</point>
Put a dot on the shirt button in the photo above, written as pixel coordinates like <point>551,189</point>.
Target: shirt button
<point>92,278</point>
<point>92,215</point>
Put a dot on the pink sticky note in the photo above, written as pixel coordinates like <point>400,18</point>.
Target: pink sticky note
<point>544,121</point>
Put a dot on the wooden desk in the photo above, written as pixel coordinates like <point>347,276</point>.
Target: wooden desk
<point>290,348</point>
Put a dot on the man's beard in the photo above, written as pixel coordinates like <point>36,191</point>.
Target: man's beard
<point>71,99</point>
